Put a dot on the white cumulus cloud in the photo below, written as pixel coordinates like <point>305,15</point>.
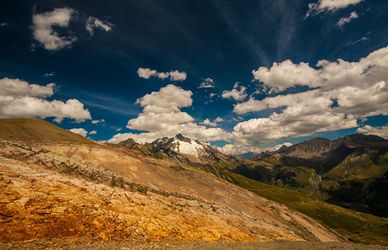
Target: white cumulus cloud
<point>212,123</point>
<point>19,98</point>
<point>17,87</point>
<point>44,33</point>
<point>207,84</point>
<point>379,131</point>
<point>173,75</point>
<point>177,75</point>
<point>79,131</point>
<point>344,93</point>
<point>93,132</point>
<point>100,121</point>
<point>83,132</point>
<point>238,93</point>
<point>287,74</point>
<point>162,116</point>
<point>329,6</point>
<point>236,149</point>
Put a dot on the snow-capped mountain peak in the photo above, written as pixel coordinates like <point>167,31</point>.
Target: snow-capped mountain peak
<point>187,146</point>
<point>193,150</point>
<point>180,144</point>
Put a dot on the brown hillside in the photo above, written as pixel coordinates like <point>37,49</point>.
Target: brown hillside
<point>36,130</point>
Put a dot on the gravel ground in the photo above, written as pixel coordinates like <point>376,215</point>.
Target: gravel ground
<point>283,245</point>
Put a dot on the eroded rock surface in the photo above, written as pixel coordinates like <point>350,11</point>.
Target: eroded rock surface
<point>101,193</point>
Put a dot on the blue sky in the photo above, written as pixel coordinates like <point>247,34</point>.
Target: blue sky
<point>46,42</point>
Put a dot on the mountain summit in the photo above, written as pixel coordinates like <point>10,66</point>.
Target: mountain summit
<point>182,145</point>
<point>192,149</point>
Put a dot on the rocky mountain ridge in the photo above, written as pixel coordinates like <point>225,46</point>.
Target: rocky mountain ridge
<point>319,147</point>
<point>181,148</point>
<point>345,171</point>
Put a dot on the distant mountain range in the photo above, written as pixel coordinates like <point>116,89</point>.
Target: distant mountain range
<point>350,171</point>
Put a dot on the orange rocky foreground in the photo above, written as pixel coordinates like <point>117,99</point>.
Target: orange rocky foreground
<point>50,191</point>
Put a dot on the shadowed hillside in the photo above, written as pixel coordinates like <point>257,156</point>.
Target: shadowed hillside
<point>350,171</point>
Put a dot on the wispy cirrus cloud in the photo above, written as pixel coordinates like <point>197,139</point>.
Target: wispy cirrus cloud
<point>109,103</point>
<point>329,6</point>
<point>94,23</point>
<point>346,20</point>
<point>362,39</point>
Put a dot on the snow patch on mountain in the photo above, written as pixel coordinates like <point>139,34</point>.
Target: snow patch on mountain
<point>181,145</point>
<point>190,148</point>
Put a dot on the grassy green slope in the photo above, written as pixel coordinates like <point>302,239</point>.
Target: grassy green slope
<point>360,167</point>
<point>351,225</point>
